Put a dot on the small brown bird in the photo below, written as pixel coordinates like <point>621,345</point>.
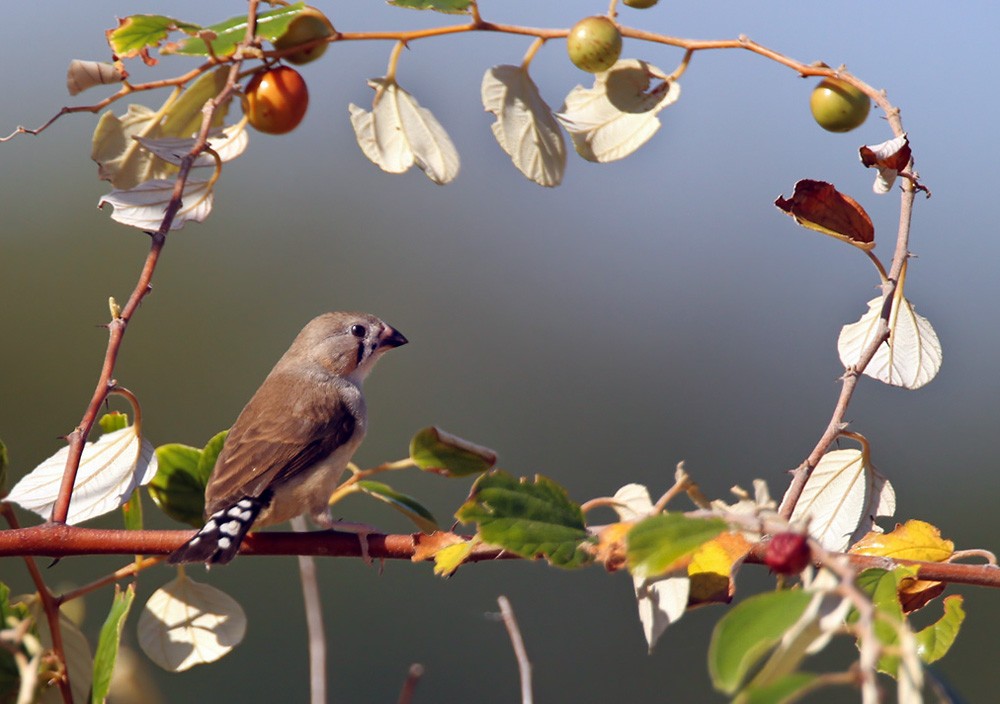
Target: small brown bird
<point>284,455</point>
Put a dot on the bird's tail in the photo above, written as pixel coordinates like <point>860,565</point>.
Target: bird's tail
<point>220,538</point>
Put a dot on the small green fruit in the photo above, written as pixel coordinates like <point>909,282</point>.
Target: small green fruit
<point>641,4</point>
<point>838,106</point>
<point>309,25</point>
<point>594,44</point>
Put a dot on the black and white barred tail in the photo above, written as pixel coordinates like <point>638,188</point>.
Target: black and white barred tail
<point>220,538</point>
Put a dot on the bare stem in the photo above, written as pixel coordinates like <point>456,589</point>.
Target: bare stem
<point>523,663</point>
<point>314,621</point>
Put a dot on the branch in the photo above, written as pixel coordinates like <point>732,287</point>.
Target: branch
<point>57,540</point>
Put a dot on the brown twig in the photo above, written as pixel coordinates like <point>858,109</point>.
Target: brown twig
<point>413,676</point>
<point>56,540</point>
<point>49,605</point>
<point>117,326</point>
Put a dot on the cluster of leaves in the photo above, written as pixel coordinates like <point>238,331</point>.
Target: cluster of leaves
<point>677,560</point>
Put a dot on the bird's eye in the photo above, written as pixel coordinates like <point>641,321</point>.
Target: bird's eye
<point>358,330</point>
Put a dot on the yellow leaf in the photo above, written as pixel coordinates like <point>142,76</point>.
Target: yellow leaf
<point>711,568</point>
<point>448,559</point>
<point>913,540</point>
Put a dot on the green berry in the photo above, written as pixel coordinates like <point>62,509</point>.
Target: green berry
<point>308,25</point>
<point>641,4</point>
<point>838,106</point>
<point>594,44</point>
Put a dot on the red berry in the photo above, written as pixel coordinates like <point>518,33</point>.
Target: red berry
<point>788,553</point>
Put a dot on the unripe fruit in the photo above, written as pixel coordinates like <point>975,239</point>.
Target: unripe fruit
<point>641,4</point>
<point>594,44</point>
<point>275,101</point>
<point>308,25</point>
<point>788,553</point>
<point>838,106</point>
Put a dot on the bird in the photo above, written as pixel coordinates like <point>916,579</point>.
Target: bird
<point>288,448</point>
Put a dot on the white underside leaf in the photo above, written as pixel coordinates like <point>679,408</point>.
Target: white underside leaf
<point>619,113</point>
<point>911,357</point>
<point>399,133</point>
<point>525,127</point>
<point>110,470</point>
<point>661,601</point>
<point>144,206</point>
<point>842,498</point>
<point>228,143</point>
<point>187,623</point>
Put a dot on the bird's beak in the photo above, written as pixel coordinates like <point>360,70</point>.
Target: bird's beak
<point>391,338</point>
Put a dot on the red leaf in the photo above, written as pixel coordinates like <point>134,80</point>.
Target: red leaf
<point>821,207</point>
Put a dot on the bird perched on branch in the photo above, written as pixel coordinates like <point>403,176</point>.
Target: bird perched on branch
<point>287,450</point>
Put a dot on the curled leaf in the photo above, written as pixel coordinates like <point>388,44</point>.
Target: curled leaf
<point>525,127</point>
<point>910,358</point>
<point>406,505</point>
<point>82,75</point>
<point>110,470</point>
<point>889,158</point>
<point>433,449</point>
<point>399,133</point>
<point>187,623</point>
<point>144,206</point>
<point>619,113</point>
<point>842,498</point>
<point>224,36</point>
<point>819,206</point>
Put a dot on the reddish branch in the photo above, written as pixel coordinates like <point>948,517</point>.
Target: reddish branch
<point>54,540</point>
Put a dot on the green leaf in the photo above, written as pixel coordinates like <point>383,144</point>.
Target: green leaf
<point>449,7</point>
<point>406,505</point>
<point>184,117</point>
<point>748,632</point>
<point>107,643</point>
<point>934,641</point>
<point>132,512</point>
<point>178,487</point>
<point>110,422</point>
<point>140,32</point>
<point>210,453</point>
<point>434,449</point>
<point>529,519</point>
<point>4,466</point>
<point>883,588</point>
<point>270,25</point>
<point>787,689</point>
<point>657,542</point>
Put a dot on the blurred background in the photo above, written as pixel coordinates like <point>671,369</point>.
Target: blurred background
<point>649,311</point>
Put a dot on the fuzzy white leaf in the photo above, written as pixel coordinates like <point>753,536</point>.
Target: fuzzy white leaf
<point>911,357</point>
<point>842,498</point>
<point>619,114</point>
<point>660,601</point>
<point>187,623</point>
<point>144,205</point>
<point>525,127</point>
<point>888,158</point>
<point>399,133</point>
<point>228,143</point>
<point>82,75</point>
<point>110,470</point>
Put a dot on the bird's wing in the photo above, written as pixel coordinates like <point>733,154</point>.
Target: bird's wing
<point>268,445</point>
